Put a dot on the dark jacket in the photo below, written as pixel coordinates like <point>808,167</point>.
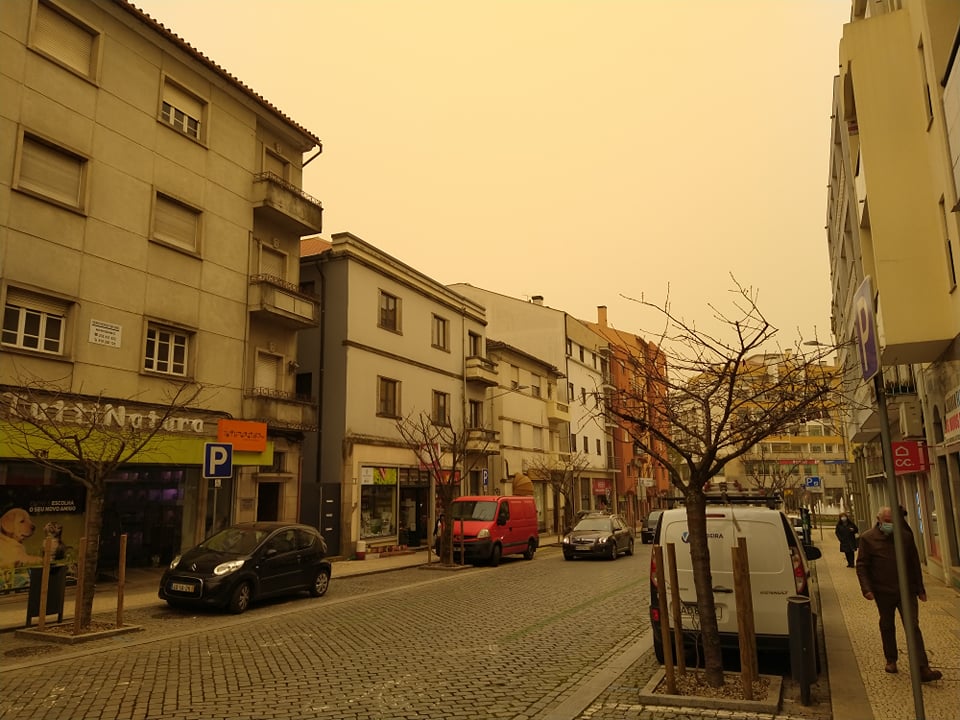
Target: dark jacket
<point>846,533</point>
<point>877,564</point>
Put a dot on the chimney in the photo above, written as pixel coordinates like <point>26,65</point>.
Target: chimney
<point>602,315</point>
<point>537,299</point>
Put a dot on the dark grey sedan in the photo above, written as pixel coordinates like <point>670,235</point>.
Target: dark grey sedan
<point>247,562</point>
<point>605,536</point>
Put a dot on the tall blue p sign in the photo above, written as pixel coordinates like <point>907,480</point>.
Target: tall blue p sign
<point>217,460</point>
<point>866,326</point>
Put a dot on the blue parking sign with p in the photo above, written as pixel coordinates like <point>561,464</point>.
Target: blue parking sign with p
<point>217,460</point>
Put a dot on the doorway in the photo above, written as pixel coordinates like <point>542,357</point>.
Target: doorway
<point>268,501</point>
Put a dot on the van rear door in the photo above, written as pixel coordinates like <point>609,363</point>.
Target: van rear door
<point>769,567</point>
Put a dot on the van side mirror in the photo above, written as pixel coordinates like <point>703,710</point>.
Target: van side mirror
<point>812,552</point>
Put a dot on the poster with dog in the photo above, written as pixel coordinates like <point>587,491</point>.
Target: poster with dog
<point>29,515</point>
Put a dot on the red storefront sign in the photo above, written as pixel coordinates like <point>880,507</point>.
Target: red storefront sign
<point>602,486</point>
<point>909,456</point>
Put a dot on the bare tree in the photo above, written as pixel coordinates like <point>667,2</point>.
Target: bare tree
<point>721,394</point>
<point>771,476</point>
<point>86,438</point>
<point>448,453</point>
<point>562,475</point>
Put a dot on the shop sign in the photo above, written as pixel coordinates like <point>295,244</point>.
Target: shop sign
<point>244,435</point>
<point>601,486</point>
<point>96,415</point>
<point>378,475</point>
<point>951,416</point>
<point>909,456</point>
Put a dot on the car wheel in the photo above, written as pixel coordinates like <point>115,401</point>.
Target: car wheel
<point>321,581</point>
<point>240,600</point>
<point>630,547</point>
<point>530,551</point>
<point>495,556</point>
<point>613,549</point>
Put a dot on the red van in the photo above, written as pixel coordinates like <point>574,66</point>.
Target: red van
<point>488,527</point>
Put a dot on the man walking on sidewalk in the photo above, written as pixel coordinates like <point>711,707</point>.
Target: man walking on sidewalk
<point>877,572</point>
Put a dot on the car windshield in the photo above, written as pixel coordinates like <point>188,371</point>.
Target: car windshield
<point>473,510</point>
<point>593,524</point>
<point>239,541</point>
<point>652,518</point>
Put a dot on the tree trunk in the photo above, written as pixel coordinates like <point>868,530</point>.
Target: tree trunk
<point>696,505</point>
<point>92,529</point>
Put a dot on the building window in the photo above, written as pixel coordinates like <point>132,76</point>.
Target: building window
<point>440,337</point>
<point>273,263</point>
<point>181,110</point>
<point>175,223</point>
<point>388,397</point>
<point>569,348</point>
<point>66,40</point>
<point>537,438</point>
<point>599,451</point>
<point>389,312</point>
<point>573,442</point>
<point>570,391</point>
<point>534,385</point>
<point>276,165</point>
<point>266,372</point>
<point>34,322</point>
<point>476,345</point>
<point>441,408</point>
<point>51,172</point>
<point>581,353</point>
<point>166,351</point>
<point>476,414</point>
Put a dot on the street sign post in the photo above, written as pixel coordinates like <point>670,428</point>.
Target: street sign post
<point>813,484</point>
<point>217,460</point>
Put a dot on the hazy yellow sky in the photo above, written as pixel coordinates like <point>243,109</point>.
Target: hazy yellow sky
<point>581,150</point>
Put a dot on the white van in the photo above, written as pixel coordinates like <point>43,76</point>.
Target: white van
<point>779,569</point>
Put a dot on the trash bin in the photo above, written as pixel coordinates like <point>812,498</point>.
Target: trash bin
<point>56,590</point>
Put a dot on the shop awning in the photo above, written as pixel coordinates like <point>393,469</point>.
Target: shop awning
<point>522,485</point>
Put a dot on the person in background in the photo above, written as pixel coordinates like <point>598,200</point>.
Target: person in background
<point>877,573</point>
<point>847,532</point>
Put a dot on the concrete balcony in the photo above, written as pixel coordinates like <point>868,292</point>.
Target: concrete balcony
<point>482,441</point>
<point>286,205</point>
<point>481,371</point>
<point>557,412</point>
<point>278,301</point>
<point>280,410</point>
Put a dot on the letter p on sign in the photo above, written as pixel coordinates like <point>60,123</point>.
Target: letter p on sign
<point>217,460</point>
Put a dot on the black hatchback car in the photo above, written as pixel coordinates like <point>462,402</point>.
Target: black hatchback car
<point>598,535</point>
<point>247,562</point>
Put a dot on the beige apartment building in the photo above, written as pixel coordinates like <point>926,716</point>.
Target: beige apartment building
<point>893,239</point>
<point>150,217</point>
<point>533,425</point>
<point>393,344</point>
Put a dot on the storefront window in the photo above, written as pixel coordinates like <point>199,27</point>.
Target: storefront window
<point>378,502</point>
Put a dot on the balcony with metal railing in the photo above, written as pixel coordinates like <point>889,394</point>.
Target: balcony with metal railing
<point>285,204</point>
<point>480,370</point>
<point>282,302</point>
<point>280,409</point>
<point>483,441</point>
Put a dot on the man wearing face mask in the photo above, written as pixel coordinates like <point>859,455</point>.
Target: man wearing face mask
<point>877,572</point>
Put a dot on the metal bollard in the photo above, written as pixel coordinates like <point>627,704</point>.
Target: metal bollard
<point>803,661</point>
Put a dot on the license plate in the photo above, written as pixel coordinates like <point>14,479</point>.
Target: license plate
<point>181,587</point>
<point>693,611</point>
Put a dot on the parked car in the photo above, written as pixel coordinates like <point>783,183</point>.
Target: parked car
<point>248,562</point>
<point>779,568</point>
<point>487,527</point>
<point>598,535</point>
<point>649,527</point>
